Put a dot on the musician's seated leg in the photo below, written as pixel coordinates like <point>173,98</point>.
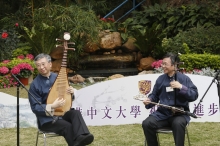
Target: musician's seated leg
<point>72,127</point>
<point>81,134</point>
<point>150,125</point>
<point>178,126</point>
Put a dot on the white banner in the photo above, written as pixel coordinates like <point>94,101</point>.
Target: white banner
<point>112,102</point>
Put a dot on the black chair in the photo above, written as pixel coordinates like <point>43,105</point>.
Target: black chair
<point>168,130</point>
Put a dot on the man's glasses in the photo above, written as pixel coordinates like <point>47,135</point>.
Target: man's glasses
<point>165,64</point>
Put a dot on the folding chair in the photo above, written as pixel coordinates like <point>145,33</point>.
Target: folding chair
<point>46,134</point>
<point>168,130</point>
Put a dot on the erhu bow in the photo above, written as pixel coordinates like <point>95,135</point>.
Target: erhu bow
<point>58,90</point>
<point>170,107</point>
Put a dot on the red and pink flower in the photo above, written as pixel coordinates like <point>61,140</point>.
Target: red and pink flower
<point>16,24</point>
<point>22,70</point>
<point>30,56</point>
<point>4,70</point>
<point>15,70</point>
<point>6,61</point>
<point>21,57</point>
<point>157,64</point>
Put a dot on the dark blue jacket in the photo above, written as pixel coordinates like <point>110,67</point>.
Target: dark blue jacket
<point>40,88</point>
<point>186,94</point>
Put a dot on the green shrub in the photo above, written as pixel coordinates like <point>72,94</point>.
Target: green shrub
<point>199,61</point>
<point>196,40</point>
<point>176,19</point>
<point>42,40</point>
<point>22,49</point>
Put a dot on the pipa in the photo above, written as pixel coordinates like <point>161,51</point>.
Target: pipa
<point>58,90</point>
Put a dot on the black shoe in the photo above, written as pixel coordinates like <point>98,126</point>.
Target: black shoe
<point>83,140</point>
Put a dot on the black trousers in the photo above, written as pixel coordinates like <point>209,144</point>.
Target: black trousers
<point>177,123</point>
<point>70,126</point>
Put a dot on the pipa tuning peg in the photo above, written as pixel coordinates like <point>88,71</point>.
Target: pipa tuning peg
<point>59,46</point>
<point>66,36</point>
<point>60,40</point>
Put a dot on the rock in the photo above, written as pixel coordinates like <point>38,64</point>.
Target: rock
<point>119,51</point>
<point>107,60</point>
<point>129,45</point>
<point>146,72</point>
<point>106,53</point>
<point>89,48</point>
<point>76,79</point>
<point>115,76</point>
<point>110,40</point>
<point>91,80</point>
<point>112,51</point>
<point>145,63</point>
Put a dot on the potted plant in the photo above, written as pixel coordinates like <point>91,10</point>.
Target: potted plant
<point>22,70</point>
<point>22,66</point>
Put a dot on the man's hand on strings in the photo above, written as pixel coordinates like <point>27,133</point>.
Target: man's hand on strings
<point>70,90</point>
<point>175,84</point>
<point>146,101</point>
<point>58,103</point>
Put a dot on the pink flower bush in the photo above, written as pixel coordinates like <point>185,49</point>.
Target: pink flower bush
<point>3,70</point>
<point>6,61</point>
<point>21,57</point>
<point>30,56</point>
<point>7,81</point>
<point>197,70</point>
<point>15,70</point>
<point>157,64</point>
<point>23,70</point>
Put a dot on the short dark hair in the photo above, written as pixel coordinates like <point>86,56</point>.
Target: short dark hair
<point>173,57</point>
<point>42,55</point>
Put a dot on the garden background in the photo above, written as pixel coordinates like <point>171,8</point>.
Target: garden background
<point>191,28</point>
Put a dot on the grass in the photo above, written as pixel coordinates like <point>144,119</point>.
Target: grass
<point>201,133</point>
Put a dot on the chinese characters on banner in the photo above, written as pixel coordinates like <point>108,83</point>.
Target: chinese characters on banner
<point>135,111</point>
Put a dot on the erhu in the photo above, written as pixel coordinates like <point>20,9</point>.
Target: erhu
<point>58,90</point>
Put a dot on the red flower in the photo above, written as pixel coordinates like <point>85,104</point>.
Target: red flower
<point>16,24</point>
<point>111,19</point>
<point>4,35</point>
<point>103,19</point>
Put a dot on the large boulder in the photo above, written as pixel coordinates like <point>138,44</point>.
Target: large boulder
<point>91,47</point>
<point>110,40</point>
<point>129,45</point>
<point>145,63</point>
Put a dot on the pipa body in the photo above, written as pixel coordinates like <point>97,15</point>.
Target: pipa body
<point>58,90</point>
